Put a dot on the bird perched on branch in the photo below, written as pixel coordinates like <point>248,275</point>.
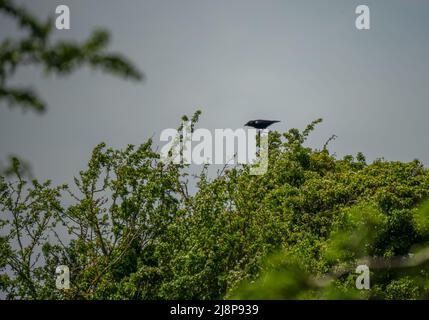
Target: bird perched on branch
<point>260,124</point>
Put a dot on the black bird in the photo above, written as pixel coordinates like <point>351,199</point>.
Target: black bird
<point>260,124</point>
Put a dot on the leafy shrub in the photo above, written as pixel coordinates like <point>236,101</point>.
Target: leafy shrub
<point>298,231</point>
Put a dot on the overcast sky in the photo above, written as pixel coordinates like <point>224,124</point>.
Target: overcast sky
<point>236,60</point>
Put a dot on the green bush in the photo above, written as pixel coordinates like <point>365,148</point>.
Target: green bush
<point>297,232</point>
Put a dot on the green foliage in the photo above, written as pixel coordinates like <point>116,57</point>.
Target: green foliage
<point>135,232</point>
<point>61,58</point>
<point>297,232</point>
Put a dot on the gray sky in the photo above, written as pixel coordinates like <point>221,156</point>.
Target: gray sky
<point>236,60</point>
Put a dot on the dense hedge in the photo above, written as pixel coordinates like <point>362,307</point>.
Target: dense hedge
<point>298,231</point>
